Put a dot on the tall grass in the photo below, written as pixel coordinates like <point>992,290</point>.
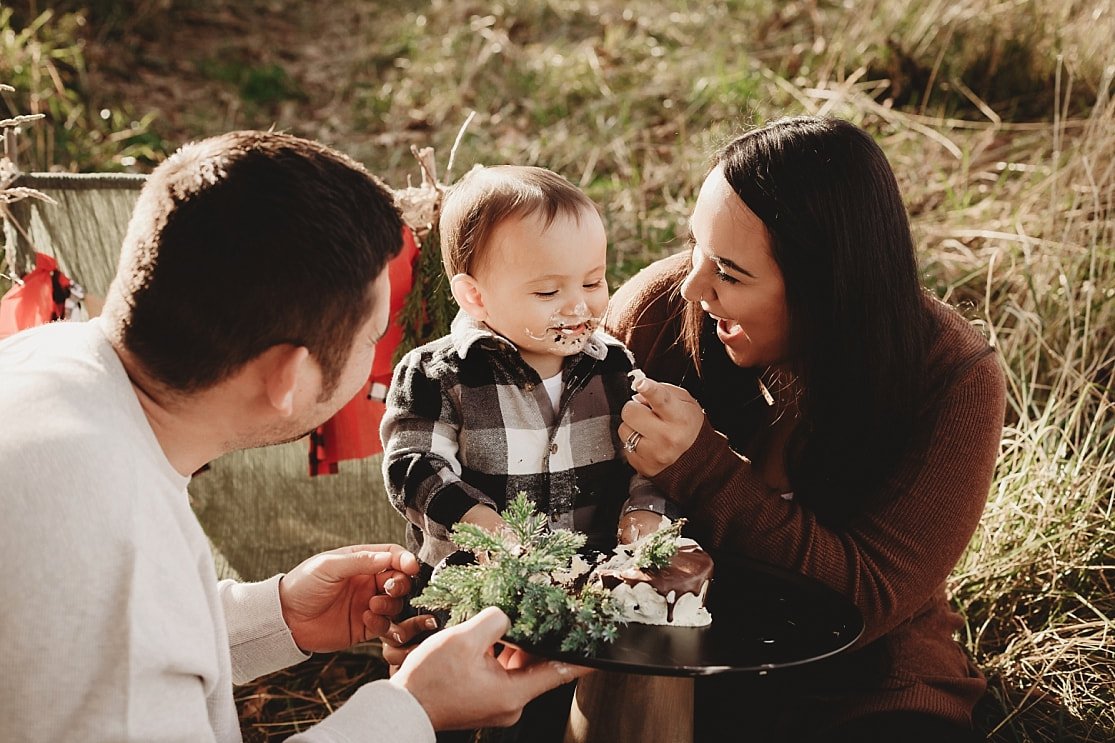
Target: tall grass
<point>1038,584</point>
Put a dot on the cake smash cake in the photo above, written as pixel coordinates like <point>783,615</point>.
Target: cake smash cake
<point>671,593</point>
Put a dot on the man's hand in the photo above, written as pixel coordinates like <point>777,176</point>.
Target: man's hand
<point>459,681</point>
<point>348,595</point>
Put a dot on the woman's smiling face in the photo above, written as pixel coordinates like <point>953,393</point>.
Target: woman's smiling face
<point>734,277</point>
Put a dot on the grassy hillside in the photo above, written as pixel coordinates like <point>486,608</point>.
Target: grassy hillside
<point>998,118</point>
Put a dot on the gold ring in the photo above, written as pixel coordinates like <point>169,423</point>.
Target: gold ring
<point>632,441</point>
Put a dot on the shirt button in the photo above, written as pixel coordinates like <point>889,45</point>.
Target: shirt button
<point>553,448</point>
<point>529,386</point>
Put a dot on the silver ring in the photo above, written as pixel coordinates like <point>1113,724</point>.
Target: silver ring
<point>632,441</point>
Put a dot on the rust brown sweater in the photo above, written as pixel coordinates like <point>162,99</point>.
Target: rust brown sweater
<point>892,559</point>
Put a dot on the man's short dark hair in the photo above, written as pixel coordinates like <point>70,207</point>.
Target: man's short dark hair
<point>245,241</point>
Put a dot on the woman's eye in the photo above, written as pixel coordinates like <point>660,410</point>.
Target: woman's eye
<point>721,276</point>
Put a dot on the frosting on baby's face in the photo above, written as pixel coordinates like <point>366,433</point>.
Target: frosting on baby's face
<point>566,334</point>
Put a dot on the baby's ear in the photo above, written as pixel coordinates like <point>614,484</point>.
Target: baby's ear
<point>469,296</point>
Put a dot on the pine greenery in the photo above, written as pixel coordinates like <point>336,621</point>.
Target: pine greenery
<point>660,547</point>
<point>516,577</point>
<point>428,308</point>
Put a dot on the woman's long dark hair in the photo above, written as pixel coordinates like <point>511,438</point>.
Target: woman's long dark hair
<point>859,323</point>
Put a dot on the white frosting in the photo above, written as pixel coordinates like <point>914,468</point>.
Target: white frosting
<point>636,375</point>
<point>578,566</point>
<point>641,603</point>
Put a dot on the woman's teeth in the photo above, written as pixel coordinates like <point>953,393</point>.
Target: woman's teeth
<point>726,325</point>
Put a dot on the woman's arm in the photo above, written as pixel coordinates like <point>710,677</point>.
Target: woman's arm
<point>888,559</point>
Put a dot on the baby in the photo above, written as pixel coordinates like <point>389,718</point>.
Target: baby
<point>525,393</point>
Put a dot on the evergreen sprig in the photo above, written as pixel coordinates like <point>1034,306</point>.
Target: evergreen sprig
<point>517,577</point>
<point>660,547</point>
<point>428,308</point>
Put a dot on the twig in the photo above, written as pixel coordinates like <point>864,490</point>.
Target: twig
<point>425,158</point>
<point>17,121</point>
<point>456,144</point>
<point>325,700</point>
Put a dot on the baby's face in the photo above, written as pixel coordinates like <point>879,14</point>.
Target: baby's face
<point>544,287</point>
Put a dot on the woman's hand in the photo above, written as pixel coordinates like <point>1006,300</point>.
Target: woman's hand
<point>667,419</point>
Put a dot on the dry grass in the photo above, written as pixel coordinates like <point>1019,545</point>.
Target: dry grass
<point>282,704</point>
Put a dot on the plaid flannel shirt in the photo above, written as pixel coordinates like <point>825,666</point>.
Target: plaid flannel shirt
<point>468,421</point>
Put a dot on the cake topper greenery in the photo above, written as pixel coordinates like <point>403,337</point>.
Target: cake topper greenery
<point>659,548</point>
<point>516,574</point>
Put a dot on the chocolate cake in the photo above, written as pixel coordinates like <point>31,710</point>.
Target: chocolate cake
<point>673,595</point>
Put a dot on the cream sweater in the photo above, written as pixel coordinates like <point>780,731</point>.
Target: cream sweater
<point>113,625</point>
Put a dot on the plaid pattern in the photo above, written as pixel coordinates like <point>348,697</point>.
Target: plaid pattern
<point>468,421</point>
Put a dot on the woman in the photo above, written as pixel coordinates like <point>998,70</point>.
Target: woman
<point>852,423</point>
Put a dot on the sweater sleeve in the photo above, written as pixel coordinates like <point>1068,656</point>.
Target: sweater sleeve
<point>421,469</point>
<point>258,638</point>
<point>379,711</point>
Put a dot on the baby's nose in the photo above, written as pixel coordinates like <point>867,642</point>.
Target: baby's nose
<point>577,309</point>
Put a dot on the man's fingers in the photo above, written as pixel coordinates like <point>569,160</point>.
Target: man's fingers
<point>539,678</point>
<point>484,629</point>
<point>401,559</point>
<point>513,658</point>
<point>372,559</point>
<point>386,606</point>
<point>394,583</point>
<point>338,566</point>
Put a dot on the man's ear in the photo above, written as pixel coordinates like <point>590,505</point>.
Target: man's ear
<point>469,296</point>
<point>284,365</point>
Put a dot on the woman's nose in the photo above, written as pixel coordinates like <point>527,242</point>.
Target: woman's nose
<point>693,287</point>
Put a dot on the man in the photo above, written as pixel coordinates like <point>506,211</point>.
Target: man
<point>249,297</point>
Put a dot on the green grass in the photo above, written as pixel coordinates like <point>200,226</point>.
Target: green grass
<point>43,58</point>
<point>999,121</point>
